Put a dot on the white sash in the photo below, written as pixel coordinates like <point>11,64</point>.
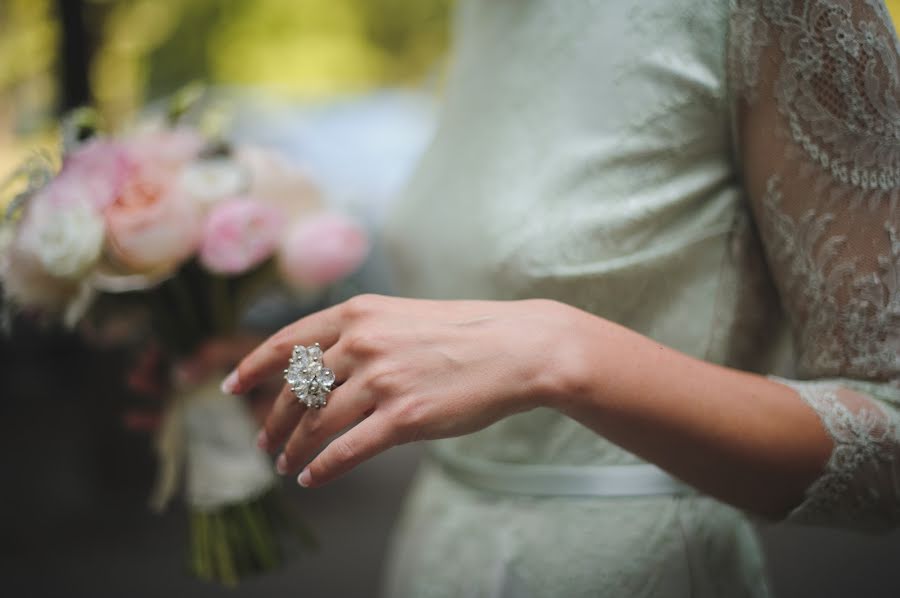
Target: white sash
<point>559,480</point>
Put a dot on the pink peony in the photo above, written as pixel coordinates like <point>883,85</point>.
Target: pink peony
<point>101,168</point>
<point>321,250</point>
<point>95,171</point>
<point>152,226</point>
<point>239,234</point>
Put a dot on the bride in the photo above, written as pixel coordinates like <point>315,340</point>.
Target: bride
<point>653,261</point>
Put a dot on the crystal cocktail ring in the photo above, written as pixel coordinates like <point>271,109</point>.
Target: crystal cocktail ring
<point>307,376</point>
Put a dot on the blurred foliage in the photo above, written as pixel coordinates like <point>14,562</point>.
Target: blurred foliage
<point>28,39</point>
<point>141,50</point>
<point>304,48</point>
<point>145,49</point>
<point>29,36</point>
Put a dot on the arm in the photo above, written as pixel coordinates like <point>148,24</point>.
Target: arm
<point>741,437</point>
<point>817,126</point>
<point>818,137</point>
<point>414,370</point>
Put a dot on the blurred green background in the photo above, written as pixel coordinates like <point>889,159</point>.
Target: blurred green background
<point>119,54</point>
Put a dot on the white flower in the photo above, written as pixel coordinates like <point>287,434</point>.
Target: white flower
<point>210,180</point>
<point>66,239</point>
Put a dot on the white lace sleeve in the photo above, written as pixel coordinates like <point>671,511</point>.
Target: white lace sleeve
<point>818,127</point>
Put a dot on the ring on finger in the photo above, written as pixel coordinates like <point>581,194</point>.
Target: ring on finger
<point>307,376</point>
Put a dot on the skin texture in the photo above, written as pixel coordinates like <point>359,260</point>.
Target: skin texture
<point>414,369</point>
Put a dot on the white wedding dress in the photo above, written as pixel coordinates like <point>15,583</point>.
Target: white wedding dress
<point>720,176</point>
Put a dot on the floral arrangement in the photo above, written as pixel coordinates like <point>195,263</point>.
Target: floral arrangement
<point>175,232</point>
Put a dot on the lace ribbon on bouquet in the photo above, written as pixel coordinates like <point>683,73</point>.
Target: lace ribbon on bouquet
<point>212,438</point>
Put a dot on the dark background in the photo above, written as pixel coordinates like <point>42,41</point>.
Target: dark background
<point>75,520</point>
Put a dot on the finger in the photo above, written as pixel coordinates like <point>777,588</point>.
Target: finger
<point>339,361</point>
<point>347,404</point>
<point>285,415</point>
<point>322,327</point>
<point>366,439</point>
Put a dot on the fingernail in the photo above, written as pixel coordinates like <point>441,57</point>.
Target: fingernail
<point>304,479</point>
<point>281,464</point>
<point>229,384</point>
<point>262,440</point>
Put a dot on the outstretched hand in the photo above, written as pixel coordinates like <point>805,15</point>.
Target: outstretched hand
<point>407,370</point>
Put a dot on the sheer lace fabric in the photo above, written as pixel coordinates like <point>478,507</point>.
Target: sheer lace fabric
<point>819,137</point>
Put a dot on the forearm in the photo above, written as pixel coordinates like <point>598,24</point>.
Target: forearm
<point>740,437</point>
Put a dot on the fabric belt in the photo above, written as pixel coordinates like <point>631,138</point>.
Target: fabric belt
<point>559,480</point>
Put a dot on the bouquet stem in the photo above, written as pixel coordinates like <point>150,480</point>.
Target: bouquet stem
<point>237,540</point>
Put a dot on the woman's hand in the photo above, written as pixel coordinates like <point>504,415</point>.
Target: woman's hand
<point>408,370</point>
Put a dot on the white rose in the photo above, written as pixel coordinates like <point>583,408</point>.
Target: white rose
<point>213,179</point>
<point>65,238</point>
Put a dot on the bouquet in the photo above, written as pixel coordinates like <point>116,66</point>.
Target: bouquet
<point>175,231</point>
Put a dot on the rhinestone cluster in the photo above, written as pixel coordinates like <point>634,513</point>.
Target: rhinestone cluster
<point>307,376</point>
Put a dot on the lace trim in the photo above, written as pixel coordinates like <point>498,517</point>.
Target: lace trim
<point>858,337</point>
<point>837,84</point>
<point>865,445</point>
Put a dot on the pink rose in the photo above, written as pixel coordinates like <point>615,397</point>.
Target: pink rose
<point>100,168</point>
<point>96,171</point>
<point>151,225</point>
<point>239,234</point>
<point>321,250</point>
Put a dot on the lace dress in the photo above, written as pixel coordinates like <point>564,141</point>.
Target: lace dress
<point>720,176</point>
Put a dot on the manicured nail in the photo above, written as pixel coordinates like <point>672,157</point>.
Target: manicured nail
<point>229,384</point>
<point>304,479</point>
<point>262,440</point>
<point>281,464</point>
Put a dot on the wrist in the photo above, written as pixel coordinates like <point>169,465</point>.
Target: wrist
<point>568,373</point>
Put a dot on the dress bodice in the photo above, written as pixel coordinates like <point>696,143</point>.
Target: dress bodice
<point>597,171</point>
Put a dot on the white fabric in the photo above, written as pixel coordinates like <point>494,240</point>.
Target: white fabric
<point>721,176</point>
<point>641,479</point>
<point>224,465</point>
